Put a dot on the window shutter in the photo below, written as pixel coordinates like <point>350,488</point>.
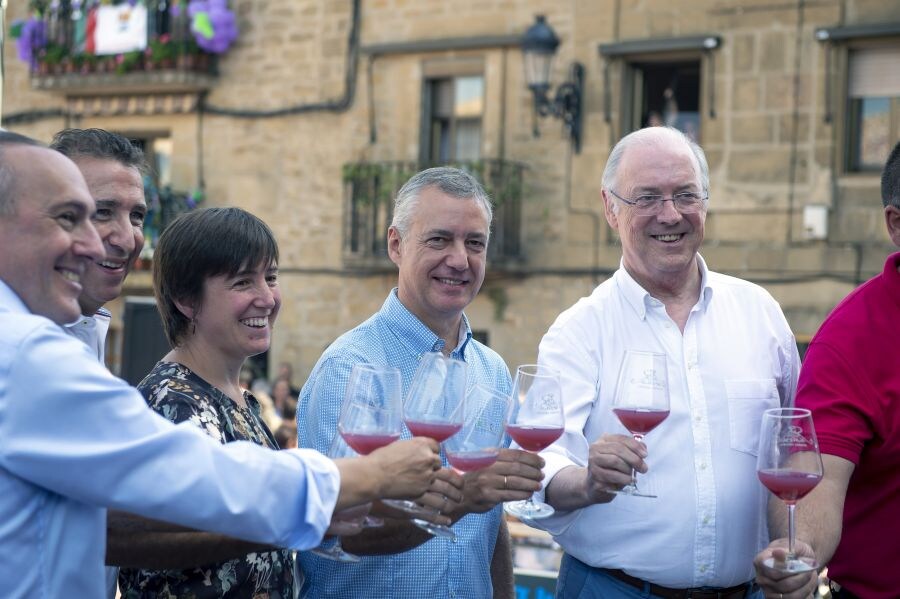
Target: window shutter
<point>875,72</point>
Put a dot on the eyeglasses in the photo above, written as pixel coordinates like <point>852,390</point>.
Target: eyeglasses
<point>686,202</point>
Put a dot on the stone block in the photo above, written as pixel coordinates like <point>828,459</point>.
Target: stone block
<point>755,129</point>
<point>743,53</point>
<point>773,52</point>
<point>766,166</point>
<point>747,93</point>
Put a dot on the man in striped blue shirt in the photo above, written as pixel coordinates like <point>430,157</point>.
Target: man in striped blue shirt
<point>438,239</point>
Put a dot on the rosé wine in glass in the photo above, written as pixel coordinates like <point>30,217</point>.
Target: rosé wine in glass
<point>640,421</point>
<point>439,431</point>
<point>534,437</point>
<point>366,443</point>
<point>467,461</point>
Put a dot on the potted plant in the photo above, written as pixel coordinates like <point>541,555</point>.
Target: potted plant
<point>161,52</point>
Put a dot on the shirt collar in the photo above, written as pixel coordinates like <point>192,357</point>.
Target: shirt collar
<point>413,333</point>
<point>641,300</point>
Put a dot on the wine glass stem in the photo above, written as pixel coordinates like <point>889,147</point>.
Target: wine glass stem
<point>791,530</point>
<point>639,439</point>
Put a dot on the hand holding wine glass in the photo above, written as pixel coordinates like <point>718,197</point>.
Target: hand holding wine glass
<point>536,420</point>
<point>790,466</point>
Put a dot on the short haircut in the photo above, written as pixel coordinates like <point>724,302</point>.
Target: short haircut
<point>201,244</point>
<point>7,176</point>
<point>890,179</point>
<point>649,136</point>
<point>454,182</point>
<point>102,144</point>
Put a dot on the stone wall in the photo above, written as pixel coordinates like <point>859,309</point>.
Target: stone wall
<point>770,149</point>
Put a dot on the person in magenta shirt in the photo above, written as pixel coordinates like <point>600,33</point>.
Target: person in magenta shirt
<point>851,382</point>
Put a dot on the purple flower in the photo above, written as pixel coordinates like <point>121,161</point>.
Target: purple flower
<point>32,39</point>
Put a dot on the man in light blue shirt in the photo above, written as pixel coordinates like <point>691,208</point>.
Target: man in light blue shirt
<point>75,440</point>
<point>438,239</point>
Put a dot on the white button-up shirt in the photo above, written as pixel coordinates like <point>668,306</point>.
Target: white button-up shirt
<point>735,358</point>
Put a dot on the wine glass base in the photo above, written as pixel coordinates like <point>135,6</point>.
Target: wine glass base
<point>532,510</point>
<point>437,530</point>
<point>410,507</point>
<point>792,565</point>
<point>337,554</point>
<point>633,491</point>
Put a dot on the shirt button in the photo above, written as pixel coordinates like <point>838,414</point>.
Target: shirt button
<point>703,466</point>
<point>706,519</point>
<point>699,418</point>
<point>703,568</point>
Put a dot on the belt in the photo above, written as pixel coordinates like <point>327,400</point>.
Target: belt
<point>736,592</point>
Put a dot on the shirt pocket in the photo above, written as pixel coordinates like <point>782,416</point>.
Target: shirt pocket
<point>747,400</point>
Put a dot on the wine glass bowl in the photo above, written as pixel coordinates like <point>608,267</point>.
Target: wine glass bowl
<point>478,442</point>
<point>535,421</point>
<point>789,465</point>
<point>371,412</point>
<point>435,402</point>
<point>641,401</point>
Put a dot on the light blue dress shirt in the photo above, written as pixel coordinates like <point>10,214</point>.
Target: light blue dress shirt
<point>438,568</point>
<point>75,440</point>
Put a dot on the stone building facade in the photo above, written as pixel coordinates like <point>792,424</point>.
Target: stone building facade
<point>322,106</point>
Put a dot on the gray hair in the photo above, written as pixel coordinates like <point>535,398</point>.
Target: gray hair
<point>7,176</point>
<point>650,136</point>
<point>454,182</point>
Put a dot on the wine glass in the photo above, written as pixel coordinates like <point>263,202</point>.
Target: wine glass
<point>641,401</point>
<point>355,516</point>
<point>435,408</point>
<point>535,421</point>
<point>478,443</point>
<point>790,466</point>
<point>370,414</point>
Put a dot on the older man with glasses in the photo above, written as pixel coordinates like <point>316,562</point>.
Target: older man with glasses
<point>730,355</point>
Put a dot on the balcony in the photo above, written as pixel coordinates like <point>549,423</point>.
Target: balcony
<point>370,189</point>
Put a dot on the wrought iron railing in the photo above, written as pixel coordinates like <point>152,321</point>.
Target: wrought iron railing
<point>370,189</point>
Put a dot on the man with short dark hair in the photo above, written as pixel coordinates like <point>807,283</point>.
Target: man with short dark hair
<point>113,169</point>
<point>730,355</point>
<point>851,382</point>
<point>75,440</point>
<point>438,240</point>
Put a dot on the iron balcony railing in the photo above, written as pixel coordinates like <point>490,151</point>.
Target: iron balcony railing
<point>370,189</point>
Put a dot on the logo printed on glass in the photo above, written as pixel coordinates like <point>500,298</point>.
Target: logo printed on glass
<point>649,380</point>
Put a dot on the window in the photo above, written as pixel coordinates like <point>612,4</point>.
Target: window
<point>666,93</point>
<point>873,107</point>
<point>454,107</point>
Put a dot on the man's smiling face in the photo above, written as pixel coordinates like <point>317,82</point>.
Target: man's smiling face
<point>441,258</point>
<point>118,191</point>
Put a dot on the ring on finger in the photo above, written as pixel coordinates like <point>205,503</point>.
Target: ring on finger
<point>505,481</point>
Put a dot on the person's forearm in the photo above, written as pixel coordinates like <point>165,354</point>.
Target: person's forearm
<point>568,490</point>
<point>502,577</point>
<point>136,542</point>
